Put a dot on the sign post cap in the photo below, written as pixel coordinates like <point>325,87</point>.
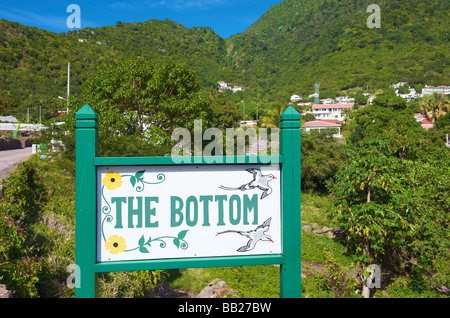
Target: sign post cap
<point>86,112</point>
<point>290,118</point>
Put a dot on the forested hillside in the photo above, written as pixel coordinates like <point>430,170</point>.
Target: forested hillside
<point>294,45</point>
<point>299,43</point>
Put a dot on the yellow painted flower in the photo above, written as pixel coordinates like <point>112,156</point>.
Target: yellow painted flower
<point>112,180</point>
<point>115,244</point>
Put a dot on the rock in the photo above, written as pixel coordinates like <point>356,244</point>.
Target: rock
<point>4,293</point>
<point>307,228</point>
<point>318,231</point>
<point>326,229</point>
<point>216,288</point>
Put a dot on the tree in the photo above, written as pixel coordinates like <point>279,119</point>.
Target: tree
<point>140,102</point>
<point>360,99</point>
<point>434,105</point>
<point>395,212</point>
<point>396,126</point>
<point>390,100</point>
<point>225,113</point>
<point>272,117</point>
<point>322,156</point>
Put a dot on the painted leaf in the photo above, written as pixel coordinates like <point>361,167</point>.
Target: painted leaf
<point>133,181</point>
<point>143,249</point>
<point>182,234</point>
<point>141,241</point>
<point>176,242</point>
<point>139,174</point>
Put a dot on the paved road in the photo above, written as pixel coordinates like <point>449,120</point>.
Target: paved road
<point>10,157</point>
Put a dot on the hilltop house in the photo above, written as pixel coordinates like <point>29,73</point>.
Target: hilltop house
<point>425,123</point>
<point>323,124</point>
<point>333,111</point>
<point>223,86</point>
<point>327,101</point>
<point>304,104</point>
<point>344,99</point>
<point>445,90</point>
<point>295,98</point>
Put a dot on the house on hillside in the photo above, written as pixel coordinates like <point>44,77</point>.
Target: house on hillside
<point>327,101</point>
<point>323,124</point>
<point>8,119</point>
<point>424,122</point>
<point>295,98</point>
<point>333,111</point>
<point>445,90</point>
<point>344,99</point>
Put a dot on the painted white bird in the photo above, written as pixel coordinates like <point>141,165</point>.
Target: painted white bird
<point>254,236</point>
<point>259,181</point>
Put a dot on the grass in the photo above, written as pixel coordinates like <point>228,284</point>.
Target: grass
<point>51,236</point>
<point>264,281</point>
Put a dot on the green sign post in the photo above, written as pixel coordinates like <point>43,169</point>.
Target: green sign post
<point>109,188</point>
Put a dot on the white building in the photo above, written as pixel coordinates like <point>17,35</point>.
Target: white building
<point>334,111</point>
<point>410,96</point>
<point>295,98</point>
<point>223,86</point>
<point>344,99</point>
<point>435,89</point>
<point>327,101</point>
<point>399,84</point>
<point>323,124</point>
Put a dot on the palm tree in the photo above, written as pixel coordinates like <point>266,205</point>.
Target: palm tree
<point>272,117</point>
<point>434,106</point>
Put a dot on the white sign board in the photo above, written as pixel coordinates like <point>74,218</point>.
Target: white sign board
<point>161,212</point>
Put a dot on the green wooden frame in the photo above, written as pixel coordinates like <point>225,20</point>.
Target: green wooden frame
<point>87,161</point>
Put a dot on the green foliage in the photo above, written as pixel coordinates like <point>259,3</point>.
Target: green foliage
<point>128,284</point>
<point>37,222</point>
<point>299,43</point>
<point>322,157</point>
<point>394,211</point>
<point>398,128</point>
<point>388,100</point>
<point>139,103</point>
<point>225,114</point>
<point>324,41</point>
<point>339,282</point>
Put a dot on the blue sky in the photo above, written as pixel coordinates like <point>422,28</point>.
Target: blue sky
<point>225,17</point>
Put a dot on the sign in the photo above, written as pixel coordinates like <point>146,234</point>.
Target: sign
<point>154,212</point>
<point>149,213</point>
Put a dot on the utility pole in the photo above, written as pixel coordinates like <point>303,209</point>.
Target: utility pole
<point>68,86</point>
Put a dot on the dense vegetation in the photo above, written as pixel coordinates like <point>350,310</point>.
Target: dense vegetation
<point>290,48</point>
<point>385,184</point>
<point>299,43</point>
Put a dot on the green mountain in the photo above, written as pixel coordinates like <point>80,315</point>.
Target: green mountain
<point>294,45</point>
<point>35,61</point>
<point>301,42</point>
